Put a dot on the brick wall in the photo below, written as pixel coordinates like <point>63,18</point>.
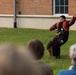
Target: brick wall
<point>27,7</point>
<point>6,6</point>
<point>72,7</point>
<point>33,7</point>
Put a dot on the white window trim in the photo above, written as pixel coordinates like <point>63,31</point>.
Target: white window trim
<point>54,10</point>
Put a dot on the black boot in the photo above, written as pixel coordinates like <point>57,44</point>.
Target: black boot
<point>57,57</point>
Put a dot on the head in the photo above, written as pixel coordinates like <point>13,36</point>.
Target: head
<point>73,54</point>
<point>15,62</point>
<point>62,18</point>
<point>37,48</point>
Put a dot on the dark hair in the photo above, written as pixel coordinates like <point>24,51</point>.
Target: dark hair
<point>37,48</point>
<point>62,16</point>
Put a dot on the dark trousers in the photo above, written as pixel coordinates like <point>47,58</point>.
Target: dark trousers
<point>56,50</point>
<point>56,44</point>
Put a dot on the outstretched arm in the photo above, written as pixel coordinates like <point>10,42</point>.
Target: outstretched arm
<point>72,21</point>
<point>53,27</point>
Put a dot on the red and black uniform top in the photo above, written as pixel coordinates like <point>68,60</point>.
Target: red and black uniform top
<point>63,27</point>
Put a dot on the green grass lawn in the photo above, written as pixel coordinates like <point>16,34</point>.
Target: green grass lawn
<point>22,36</point>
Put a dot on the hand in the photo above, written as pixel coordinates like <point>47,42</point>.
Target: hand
<point>70,68</point>
<point>58,33</point>
<point>74,16</point>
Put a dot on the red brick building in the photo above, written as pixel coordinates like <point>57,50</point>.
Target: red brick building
<point>38,14</point>
<point>38,7</point>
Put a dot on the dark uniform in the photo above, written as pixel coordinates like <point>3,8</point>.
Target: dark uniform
<point>61,38</point>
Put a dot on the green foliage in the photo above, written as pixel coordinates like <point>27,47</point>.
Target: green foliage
<point>22,36</point>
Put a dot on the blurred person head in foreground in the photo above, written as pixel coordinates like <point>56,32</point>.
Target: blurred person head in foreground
<point>37,49</point>
<point>14,61</point>
<point>73,55</point>
<point>72,68</point>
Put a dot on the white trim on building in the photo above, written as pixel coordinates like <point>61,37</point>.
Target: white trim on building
<point>31,21</point>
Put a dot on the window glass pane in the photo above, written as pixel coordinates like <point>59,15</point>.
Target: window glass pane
<point>66,2</point>
<point>61,2</point>
<point>56,2</point>
<point>66,9</point>
<point>62,9</point>
<point>57,9</point>
<point>61,6</point>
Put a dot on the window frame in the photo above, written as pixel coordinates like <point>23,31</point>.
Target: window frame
<point>66,14</point>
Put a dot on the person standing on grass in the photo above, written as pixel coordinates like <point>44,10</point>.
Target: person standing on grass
<point>61,37</point>
<point>37,49</point>
<point>72,69</point>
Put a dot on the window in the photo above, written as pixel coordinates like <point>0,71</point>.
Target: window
<point>60,6</point>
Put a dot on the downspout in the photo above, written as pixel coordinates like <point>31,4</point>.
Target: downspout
<point>15,21</point>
